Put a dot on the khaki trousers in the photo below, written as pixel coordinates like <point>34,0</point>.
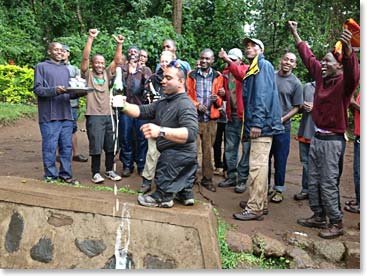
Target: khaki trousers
<point>259,162</point>
<point>207,133</point>
<point>151,160</point>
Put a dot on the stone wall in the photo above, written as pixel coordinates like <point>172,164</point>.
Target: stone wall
<point>48,226</point>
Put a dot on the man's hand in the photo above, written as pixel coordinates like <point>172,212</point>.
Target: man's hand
<point>213,98</point>
<point>150,130</point>
<point>255,132</point>
<point>202,108</point>
<point>119,38</point>
<point>93,32</point>
<point>293,26</point>
<point>223,55</point>
<point>308,106</point>
<point>60,89</point>
<point>221,92</point>
<point>345,38</point>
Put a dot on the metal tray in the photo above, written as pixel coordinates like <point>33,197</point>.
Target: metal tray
<point>81,90</point>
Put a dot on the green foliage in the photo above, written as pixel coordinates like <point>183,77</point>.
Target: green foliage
<point>10,113</point>
<point>16,84</point>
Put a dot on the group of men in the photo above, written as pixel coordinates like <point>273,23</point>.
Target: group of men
<point>259,105</point>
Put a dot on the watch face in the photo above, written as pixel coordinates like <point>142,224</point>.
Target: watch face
<point>162,132</point>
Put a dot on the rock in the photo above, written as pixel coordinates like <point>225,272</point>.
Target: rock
<point>326,265</point>
<point>156,262</point>
<point>299,239</point>
<point>301,260</point>
<point>59,220</point>
<point>352,256</point>
<point>332,251</point>
<point>91,248</point>
<point>239,242</point>
<point>269,246</point>
<point>43,251</point>
<point>14,233</point>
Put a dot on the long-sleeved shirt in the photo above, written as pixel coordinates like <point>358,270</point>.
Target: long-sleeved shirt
<point>332,94</point>
<point>51,106</point>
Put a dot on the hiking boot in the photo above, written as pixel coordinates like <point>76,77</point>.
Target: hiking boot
<point>240,187</point>
<point>243,205</point>
<point>126,172</point>
<point>229,182</point>
<point>314,221</point>
<point>97,178</point>
<point>145,186</point>
<point>154,200</point>
<point>185,201</point>
<point>113,176</point>
<point>248,215</point>
<point>301,196</point>
<point>335,230</point>
<point>208,184</point>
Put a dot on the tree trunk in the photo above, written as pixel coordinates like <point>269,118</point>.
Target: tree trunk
<point>177,16</point>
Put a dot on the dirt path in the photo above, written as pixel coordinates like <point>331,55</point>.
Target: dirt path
<point>20,155</point>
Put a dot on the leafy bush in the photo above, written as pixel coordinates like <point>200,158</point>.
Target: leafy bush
<point>10,113</point>
<point>16,84</point>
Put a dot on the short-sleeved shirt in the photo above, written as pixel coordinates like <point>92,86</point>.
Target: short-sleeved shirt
<point>98,102</point>
<point>290,94</point>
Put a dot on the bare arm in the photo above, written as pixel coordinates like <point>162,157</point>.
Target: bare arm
<point>290,114</point>
<point>84,66</point>
<point>118,53</point>
<point>293,27</point>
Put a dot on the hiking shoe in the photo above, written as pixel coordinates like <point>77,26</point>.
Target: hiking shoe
<point>314,221</point>
<point>113,176</point>
<point>248,215</point>
<point>335,230</point>
<point>185,201</point>
<point>277,197</point>
<point>71,181</point>
<point>145,186</point>
<point>126,172</point>
<point>208,184</point>
<point>301,196</point>
<point>240,187</point>
<point>150,201</point>
<point>243,205</point>
<point>97,178</point>
<point>229,182</point>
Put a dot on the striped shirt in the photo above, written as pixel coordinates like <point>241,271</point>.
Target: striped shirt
<point>204,85</point>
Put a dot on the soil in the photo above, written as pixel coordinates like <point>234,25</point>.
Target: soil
<point>20,155</point>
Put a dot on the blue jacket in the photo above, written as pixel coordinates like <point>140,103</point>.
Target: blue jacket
<point>260,97</point>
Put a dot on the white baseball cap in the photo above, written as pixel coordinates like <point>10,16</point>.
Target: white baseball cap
<point>235,54</point>
<point>254,40</point>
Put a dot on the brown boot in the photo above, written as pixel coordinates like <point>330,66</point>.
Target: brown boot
<point>335,230</point>
<point>314,221</point>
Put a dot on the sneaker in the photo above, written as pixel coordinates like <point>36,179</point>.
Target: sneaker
<point>301,196</point>
<point>229,182</point>
<point>97,178</point>
<point>335,230</point>
<point>240,187</point>
<point>150,201</point>
<point>71,181</point>
<point>80,158</point>
<point>218,171</point>
<point>113,176</point>
<point>145,186</point>
<point>185,201</point>
<point>314,221</point>
<point>208,184</point>
<point>248,215</point>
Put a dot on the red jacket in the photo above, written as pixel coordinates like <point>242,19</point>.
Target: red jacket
<point>217,84</point>
<point>239,72</point>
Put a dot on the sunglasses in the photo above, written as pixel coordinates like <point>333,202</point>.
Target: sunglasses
<point>174,63</point>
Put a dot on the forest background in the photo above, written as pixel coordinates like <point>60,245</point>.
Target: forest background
<point>28,26</point>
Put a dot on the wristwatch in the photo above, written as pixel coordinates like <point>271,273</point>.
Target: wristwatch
<point>162,132</point>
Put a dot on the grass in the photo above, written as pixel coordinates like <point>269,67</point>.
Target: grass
<point>233,260</point>
<point>10,113</point>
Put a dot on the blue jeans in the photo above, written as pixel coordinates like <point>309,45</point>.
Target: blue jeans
<point>75,111</point>
<point>280,151</point>
<point>304,150</point>
<point>356,167</point>
<point>57,134</point>
<point>232,142</point>
<point>126,127</point>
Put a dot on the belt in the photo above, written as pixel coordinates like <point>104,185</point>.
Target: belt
<point>326,134</point>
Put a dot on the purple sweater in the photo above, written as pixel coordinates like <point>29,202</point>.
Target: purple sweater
<point>332,94</point>
<point>51,106</point>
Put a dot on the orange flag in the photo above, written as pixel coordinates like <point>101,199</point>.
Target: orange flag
<point>355,29</point>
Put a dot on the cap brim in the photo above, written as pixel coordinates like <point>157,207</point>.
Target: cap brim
<point>233,57</point>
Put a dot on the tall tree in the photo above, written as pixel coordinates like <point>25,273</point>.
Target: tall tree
<point>177,16</point>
